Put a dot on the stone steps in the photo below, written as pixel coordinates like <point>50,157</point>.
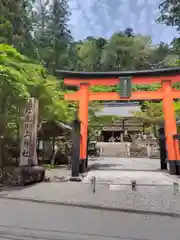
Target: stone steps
<point>113,149</point>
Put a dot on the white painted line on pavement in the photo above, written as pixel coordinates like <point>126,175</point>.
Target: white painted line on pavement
<point>116,187</point>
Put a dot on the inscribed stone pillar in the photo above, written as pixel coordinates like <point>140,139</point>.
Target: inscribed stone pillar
<point>28,154</point>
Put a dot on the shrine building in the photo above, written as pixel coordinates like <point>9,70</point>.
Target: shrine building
<point>127,124</point>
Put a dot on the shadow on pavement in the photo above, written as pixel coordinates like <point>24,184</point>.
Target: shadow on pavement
<point>117,167</point>
<point>43,234</point>
<point>6,188</point>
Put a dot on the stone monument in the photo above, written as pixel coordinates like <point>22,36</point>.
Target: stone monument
<point>28,155</point>
<point>29,171</point>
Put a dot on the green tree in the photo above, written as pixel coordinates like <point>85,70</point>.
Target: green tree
<point>6,30</point>
<point>152,114</point>
<point>88,55</point>
<point>42,38</point>
<point>170,13</point>
<point>22,78</point>
<point>13,91</point>
<point>59,35</point>
<point>17,18</point>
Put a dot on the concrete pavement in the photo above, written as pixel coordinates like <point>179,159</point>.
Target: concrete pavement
<point>113,190</point>
<point>29,221</point>
<point>124,170</point>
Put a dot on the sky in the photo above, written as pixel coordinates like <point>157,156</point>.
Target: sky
<point>101,18</point>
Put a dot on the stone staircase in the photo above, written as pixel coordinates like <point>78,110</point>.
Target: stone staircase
<point>116,149</point>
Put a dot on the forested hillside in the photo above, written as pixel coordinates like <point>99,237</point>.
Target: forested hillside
<point>40,31</point>
<point>35,35</point>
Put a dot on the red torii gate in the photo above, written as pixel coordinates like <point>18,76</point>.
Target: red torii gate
<point>166,77</point>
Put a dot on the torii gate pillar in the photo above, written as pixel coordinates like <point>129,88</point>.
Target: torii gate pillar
<point>170,124</point>
<point>83,117</point>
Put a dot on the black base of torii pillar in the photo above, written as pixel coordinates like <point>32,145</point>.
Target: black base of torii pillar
<point>75,157</point>
<point>162,146</point>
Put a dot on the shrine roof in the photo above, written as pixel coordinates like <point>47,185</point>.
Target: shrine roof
<point>119,109</point>
<point>53,129</point>
<point>140,73</point>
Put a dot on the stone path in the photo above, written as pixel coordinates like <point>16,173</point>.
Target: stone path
<point>124,170</point>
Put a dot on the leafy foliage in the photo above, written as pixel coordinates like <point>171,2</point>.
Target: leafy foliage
<point>151,114</point>
<point>23,78</point>
<point>170,13</point>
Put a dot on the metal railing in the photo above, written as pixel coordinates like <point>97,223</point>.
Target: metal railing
<point>93,183</point>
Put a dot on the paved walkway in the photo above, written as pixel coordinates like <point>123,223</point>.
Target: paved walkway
<point>32,221</point>
<point>124,170</point>
<point>113,190</point>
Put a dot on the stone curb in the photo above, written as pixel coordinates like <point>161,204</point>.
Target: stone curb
<point>93,206</point>
<point>174,177</point>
